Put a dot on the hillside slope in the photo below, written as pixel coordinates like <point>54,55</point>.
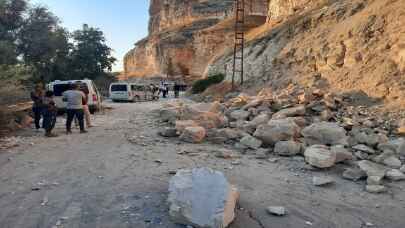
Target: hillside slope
<point>344,45</point>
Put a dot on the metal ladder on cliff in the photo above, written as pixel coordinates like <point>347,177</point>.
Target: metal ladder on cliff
<point>239,41</point>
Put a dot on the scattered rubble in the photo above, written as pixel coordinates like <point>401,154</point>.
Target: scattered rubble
<point>322,128</point>
<point>202,198</point>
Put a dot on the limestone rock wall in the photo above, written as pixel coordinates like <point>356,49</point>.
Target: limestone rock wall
<point>185,36</point>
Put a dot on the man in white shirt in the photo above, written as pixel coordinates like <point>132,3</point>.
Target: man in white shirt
<point>75,99</point>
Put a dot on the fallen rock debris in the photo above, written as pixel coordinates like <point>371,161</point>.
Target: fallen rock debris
<point>323,127</point>
<point>202,198</point>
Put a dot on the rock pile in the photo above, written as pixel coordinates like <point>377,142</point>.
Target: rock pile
<point>324,128</point>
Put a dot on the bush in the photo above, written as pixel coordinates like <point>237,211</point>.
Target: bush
<point>202,84</point>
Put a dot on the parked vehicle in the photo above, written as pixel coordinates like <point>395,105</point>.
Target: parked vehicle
<point>131,92</point>
<point>59,87</point>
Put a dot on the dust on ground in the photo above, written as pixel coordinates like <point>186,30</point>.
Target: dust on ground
<point>118,174</point>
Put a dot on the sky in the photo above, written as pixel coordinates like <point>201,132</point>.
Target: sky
<point>123,21</point>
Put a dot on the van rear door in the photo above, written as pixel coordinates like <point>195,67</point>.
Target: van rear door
<point>58,90</point>
<point>119,92</point>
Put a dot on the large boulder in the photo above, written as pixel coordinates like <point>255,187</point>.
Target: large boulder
<point>193,134</point>
<point>325,133</point>
<point>277,130</point>
<point>202,198</point>
<point>288,148</point>
<point>320,156</point>
<point>290,112</point>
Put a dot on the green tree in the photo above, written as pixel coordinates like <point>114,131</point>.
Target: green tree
<point>91,57</point>
<point>44,44</point>
<point>11,19</point>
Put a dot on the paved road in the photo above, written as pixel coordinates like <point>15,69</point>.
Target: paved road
<point>117,176</point>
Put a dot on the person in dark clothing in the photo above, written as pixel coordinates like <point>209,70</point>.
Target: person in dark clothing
<point>37,97</point>
<point>74,99</point>
<point>176,90</point>
<point>49,114</point>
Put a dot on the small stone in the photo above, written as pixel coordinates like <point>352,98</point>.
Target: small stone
<point>376,189</point>
<point>392,162</point>
<point>273,160</point>
<point>181,125</point>
<point>372,169</point>
<point>354,174</point>
<point>239,115</point>
<point>342,154</point>
<point>193,134</point>
<point>320,156</point>
<point>322,181</point>
<point>361,155</point>
<point>374,180</point>
<point>251,142</point>
<point>364,148</point>
<point>279,211</point>
<point>290,112</point>
<point>168,132</point>
<point>395,175</point>
<point>401,128</point>
<point>288,148</point>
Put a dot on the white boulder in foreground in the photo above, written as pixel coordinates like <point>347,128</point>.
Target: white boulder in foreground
<point>202,198</point>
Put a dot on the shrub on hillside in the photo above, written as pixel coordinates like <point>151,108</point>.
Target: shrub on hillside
<point>202,84</point>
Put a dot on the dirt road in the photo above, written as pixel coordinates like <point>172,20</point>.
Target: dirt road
<point>117,176</point>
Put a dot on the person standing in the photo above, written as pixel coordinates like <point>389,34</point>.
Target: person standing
<point>37,97</point>
<point>49,113</point>
<point>86,109</point>
<point>74,98</point>
<point>176,89</point>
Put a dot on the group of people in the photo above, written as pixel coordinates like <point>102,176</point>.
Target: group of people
<point>164,89</point>
<point>44,107</point>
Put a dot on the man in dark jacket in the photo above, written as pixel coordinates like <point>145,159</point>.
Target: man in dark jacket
<point>37,97</point>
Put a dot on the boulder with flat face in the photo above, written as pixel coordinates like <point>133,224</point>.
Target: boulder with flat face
<point>325,133</point>
<point>202,198</point>
<point>277,130</point>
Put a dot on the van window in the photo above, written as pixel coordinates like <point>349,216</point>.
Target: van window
<point>59,89</point>
<point>115,88</point>
<point>137,88</point>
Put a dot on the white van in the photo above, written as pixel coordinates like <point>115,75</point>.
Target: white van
<point>123,91</point>
<point>59,87</point>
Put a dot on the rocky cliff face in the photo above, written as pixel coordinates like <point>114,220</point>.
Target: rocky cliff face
<point>186,36</point>
<point>183,35</point>
<point>351,46</point>
<point>342,45</point>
